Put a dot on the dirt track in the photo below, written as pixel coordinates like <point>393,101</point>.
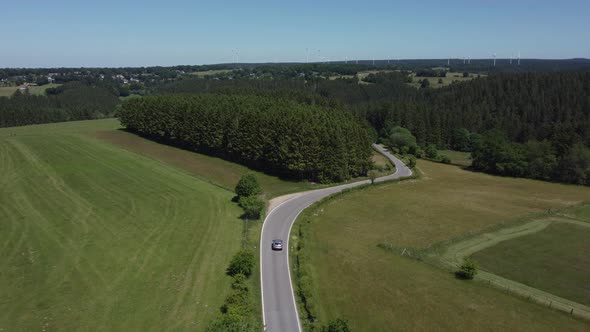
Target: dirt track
<point>454,255</point>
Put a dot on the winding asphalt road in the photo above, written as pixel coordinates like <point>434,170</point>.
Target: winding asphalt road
<point>279,310</point>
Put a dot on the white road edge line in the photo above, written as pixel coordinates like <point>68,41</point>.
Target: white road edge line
<point>260,261</point>
<point>289,237</point>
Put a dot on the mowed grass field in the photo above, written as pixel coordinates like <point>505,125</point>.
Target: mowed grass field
<point>376,290</point>
<point>97,238</point>
<point>215,170</point>
<point>555,260</point>
<point>581,213</point>
<point>457,157</point>
<point>7,91</point>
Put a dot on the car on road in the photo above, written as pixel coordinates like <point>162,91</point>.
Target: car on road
<point>277,245</point>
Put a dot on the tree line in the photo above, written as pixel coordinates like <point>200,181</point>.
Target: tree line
<point>543,160</point>
<point>524,108</point>
<point>72,101</point>
<point>275,135</point>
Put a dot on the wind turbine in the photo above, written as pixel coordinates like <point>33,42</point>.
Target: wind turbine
<point>494,55</point>
<point>519,58</point>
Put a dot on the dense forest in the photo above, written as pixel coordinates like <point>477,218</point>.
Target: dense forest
<point>507,118</point>
<point>525,112</point>
<point>72,101</point>
<point>272,134</point>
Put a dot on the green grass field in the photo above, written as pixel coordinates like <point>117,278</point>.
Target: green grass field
<point>215,170</point>
<point>380,161</point>
<point>449,79</point>
<point>210,72</point>
<point>34,90</point>
<point>97,238</point>
<point>581,213</point>
<point>7,91</point>
<point>377,290</point>
<point>555,260</point>
<point>458,157</point>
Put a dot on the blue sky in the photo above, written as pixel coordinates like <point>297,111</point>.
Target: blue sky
<point>141,33</point>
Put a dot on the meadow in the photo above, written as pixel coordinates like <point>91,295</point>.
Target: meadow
<point>7,91</point>
<point>377,290</point>
<point>554,260</point>
<point>210,72</point>
<point>211,169</point>
<point>98,238</point>
<point>457,157</point>
<point>451,77</point>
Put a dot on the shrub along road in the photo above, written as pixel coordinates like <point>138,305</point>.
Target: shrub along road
<point>279,310</point>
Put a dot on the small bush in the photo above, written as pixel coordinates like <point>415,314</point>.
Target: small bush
<point>411,161</point>
<point>252,206</point>
<point>248,186</point>
<point>419,153</point>
<point>445,159</point>
<point>431,151</point>
<point>241,263</point>
<point>336,325</point>
<point>468,270</point>
<point>372,175</point>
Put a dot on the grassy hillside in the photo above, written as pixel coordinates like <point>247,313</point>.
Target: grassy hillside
<point>555,260</point>
<point>97,238</point>
<point>380,291</point>
<point>215,170</point>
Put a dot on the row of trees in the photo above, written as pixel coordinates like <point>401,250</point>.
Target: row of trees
<point>534,159</point>
<point>237,311</point>
<point>275,135</point>
<point>70,102</point>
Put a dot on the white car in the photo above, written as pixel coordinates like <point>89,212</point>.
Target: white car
<point>277,245</point>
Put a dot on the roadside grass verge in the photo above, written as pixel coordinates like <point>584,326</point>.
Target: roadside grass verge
<point>350,277</point>
<point>97,238</point>
<point>299,259</point>
<point>555,260</point>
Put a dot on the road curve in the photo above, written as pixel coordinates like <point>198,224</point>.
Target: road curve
<point>279,310</point>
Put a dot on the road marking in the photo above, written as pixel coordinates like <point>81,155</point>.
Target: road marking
<point>260,261</point>
<point>339,188</point>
